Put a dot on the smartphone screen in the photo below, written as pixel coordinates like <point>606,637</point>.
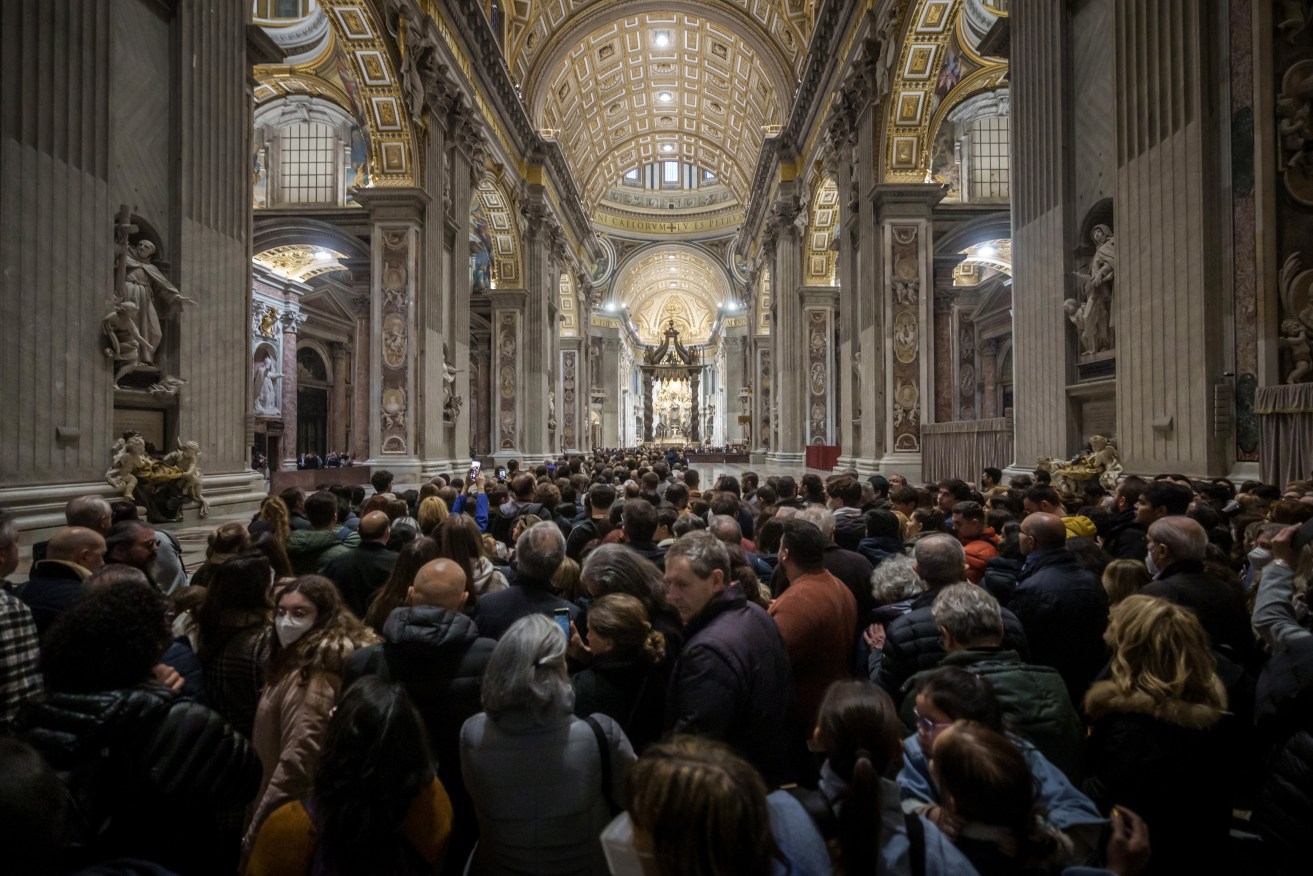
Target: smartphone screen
<point>474,469</point>
<point>562,616</point>
<point>501,473</point>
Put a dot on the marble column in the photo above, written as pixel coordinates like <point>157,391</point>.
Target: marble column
<point>543,247</point>
<point>1171,303</point>
<point>904,214</point>
<point>736,379</point>
<point>788,334</point>
<point>612,382</point>
<point>695,411</point>
<point>648,421</point>
<point>291,320</point>
<point>945,386</point>
<point>989,379</point>
<point>396,408</point>
<point>573,416</point>
<point>464,148</point>
<point>1041,105</point>
<point>362,362</point>
<point>818,316</point>
<point>338,415</point>
<point>510,364</point>
<point>481,394</point>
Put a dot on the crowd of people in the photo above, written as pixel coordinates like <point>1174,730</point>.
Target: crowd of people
<point>605,665</point>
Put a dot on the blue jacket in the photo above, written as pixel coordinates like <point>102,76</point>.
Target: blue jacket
<point>480,509</point>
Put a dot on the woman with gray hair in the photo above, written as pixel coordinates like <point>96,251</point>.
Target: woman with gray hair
<point>614,568</point>
<point>894,584</point>
<point>544,783</point>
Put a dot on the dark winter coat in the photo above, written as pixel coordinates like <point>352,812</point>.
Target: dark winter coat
<point>732,682</point>
<point>359,573</point>
<point>1219,606</point>
<point>1064,610</point>
<point>496,612</point>
<point>628,689</point>
<point>911,644</point>
<point>52,588</point>
<point>1169,762</point>
<point>877,550</point>
<point>157,766</point>
<point>439,657</point>
<point>1125,539</point>
<point>1001,578</point>
<point>1034,701</point>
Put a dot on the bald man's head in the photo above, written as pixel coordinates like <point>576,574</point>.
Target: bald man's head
<point>440,583</point>
<point>374,526</point>
<point>77,544</point>
<point>1045,531</point>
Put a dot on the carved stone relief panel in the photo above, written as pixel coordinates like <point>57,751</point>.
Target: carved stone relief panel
<point>569,394</point>
<point>818,376</point>
<point>395,317</point>
<point>508,334</point>
<point>765,409</point>
<point>906,284</point>
<point>966,370</point>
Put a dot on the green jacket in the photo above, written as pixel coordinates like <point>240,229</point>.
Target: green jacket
<point>312,549</point>
<point>1034,700</point>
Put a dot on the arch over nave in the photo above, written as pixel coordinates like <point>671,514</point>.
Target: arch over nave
<point>885,229</point>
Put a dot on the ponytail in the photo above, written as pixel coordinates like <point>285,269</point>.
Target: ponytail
<point>860,823</point>
<point>654,647</point>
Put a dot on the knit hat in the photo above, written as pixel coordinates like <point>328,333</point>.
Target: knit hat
<point>1079,525</point>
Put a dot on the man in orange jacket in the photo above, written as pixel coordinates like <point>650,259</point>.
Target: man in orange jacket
<point>978,540</point>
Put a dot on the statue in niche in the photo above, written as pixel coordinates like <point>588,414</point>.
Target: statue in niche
<point>267,322</point>
<point>1294,337</point>
<point>1092,314</point>
<point>143,283</point>
<point>1101,461</point>
<point>451,403</point>
<point>265,386</point>
<point>551,410</point>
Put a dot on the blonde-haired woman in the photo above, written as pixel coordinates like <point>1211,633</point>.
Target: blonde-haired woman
<point>624,679</point>
<point>1123,578</point>
<point>1161,740</point>
<point>432,514</point>
<point>273,518</point>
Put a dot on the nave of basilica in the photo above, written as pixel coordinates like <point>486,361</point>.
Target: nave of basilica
<point>910,236</point>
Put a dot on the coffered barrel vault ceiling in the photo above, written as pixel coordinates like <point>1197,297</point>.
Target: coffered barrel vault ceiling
<point>660,86</point>
<point>681,284</point>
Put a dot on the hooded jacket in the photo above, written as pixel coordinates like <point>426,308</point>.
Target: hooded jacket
<point>487,579</point>
<point>310,550</point>
<point>979,551</point>
<point>289,726</point>
<point>1125,539</point>
<point>1170,762</point>
<point>439,657</point>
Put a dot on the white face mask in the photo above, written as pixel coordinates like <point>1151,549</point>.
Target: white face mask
<point>292,628</point>
<point>1153,567</point>
<point>1259,557</point>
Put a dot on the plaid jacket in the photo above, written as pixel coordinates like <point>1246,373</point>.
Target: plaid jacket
<point>20,678</point>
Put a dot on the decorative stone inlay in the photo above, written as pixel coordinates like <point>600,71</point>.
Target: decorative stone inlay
<point>508,332</point>
<point>905,279</point>
<point>395,317</point>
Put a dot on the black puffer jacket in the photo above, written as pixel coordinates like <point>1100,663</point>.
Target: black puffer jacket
<point>1125,539</point>
<point>1284,809</point>
<point>438,656</point>
<point>1064,609</point>
<point>911,644</point>
<point>152,766</point>
<point>732,682</point>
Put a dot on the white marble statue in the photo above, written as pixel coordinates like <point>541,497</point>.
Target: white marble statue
<point>127,348</point>
<point>1093,313</point>
<point>186,460</point>
<point>265,386</point>
<point>1101,462</point>
<point>1294,337</point>
<point>143,284</point>
<point>451,403</point>
<point>130,460</point>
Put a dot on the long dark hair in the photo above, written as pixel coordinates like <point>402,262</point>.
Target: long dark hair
<point>237,597</point>
<point>460,541</point>
<point>860,733</point>
<point>374,761</point>
<point>393,592</point>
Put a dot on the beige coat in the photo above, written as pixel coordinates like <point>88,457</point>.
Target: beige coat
<point>289,729</point>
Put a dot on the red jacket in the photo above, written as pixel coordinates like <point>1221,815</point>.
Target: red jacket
<point>980,550</point>
<point>816,617</point>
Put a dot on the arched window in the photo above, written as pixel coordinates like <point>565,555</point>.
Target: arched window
<point>305,151</point>
<point>989,159</point>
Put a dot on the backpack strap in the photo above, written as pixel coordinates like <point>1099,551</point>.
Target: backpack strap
<point>916,838</point>
<point>818,809</point>
<point>604,751</point>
